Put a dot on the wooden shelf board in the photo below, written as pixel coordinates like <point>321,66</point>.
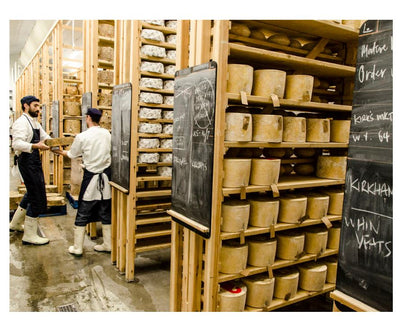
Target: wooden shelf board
<point>72,81</point>
<point>146,248</point>
<point>160,91</point>
<point>253,144</point>
<point>286,183</point>
<point>106,41</point>
<point>154,164</point>
<point>156,59</point>
<point>151,178</point>
<point>287,61</point>
<point>155,135</point>
<point>105,85</point>
<point>292,104</point>
<point>152,231</point>
<point>105,64</point>
<point>160,106</point>
<point>156,121</point>
<point>150,194</point>
<point>164,30</point>
<point>165,45</point>
<point>155,150</point>
<point>158,218</point>
<point>160,207</point>
<point>150,244</point>
<point>157,75</point>
<point>104,107</point>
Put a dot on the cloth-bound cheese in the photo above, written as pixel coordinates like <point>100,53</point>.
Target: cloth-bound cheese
<point>336,197</point>
<point>151,98</point>
<point>316,240</point>
<point>299,87</point>
<point>290,244</point>
<point>153,51</point>
<point>333,237</point>
<point>169,84</point>
<point>240,78</point>
<point>106,53</point>
<point>238,126</point>
<point>72,126</point>
<point>267,128</point>
<point>150,128</point>
<point>72,108</point>
<point>236,172</point>
<point>240,29</point>
<point>286,283</point>
<point>340,130</point>
<point>318,130</point>
<point>148,158</point>
<point>312,276</point>
<point>153,35</point>
<point>106,30</point>
<point>269,82</point>
<point>154,67</point>
<point>233,257</point>
<point>170,69</point>
<point>264,171</point>
<point>168,114</point>
<point>171,24</point>
<point>149,113</point>
<point>263,211</point>
<point>149,143</point>
<point>164,171</point>
<point>235,215</point>
<point>166,143</point>
<point>151,83</point>
<point>168,129</point>
<point>71,90</point>
<point>262,251</point>
<point>171,39</point>
<point>331,264</point>
<point>155,22</point>
<point>331,167</point>
<point>292,208</point>
<point>260,290</point>
<point>105,76</point>
<point>317,205</point>
<point>169,100</point>
<point>171,54</point>
<point>166,157</point>
<point>232,297</point>
<point>294,129</point>
<point>104,99</point>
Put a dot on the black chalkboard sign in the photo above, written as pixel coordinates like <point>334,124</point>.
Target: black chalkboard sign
<point>44,115</point>
<point>121,135</point>
<point>365,265</point>
<point>86,104</point>
<point>193,147</point>
<point>55,113</point>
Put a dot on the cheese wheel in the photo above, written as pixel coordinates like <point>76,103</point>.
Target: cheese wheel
<point>153,51</point>
<point>264,171</point>
<point>169,85</point>
<point>318,130</point>
<point>331,167</point>
<point>170,69</point>
<point>149,113</point>
<point>171,54</point>
<point>299,87</point>
<point>154,67</point>
<point>295,43</point>
<point>336,198</point>
<point>268,82</point>
<point>150,128</point>
<point>71,90</point>
<point>292,208</point>
<point>257,34</point>
<point>164,171</point>
<point>156,22</point>
<point>72,126</point>
<point>106,53</point>
<point>168,114</point>
<point>171,39</point>
<point>168,129</point>
<point>149,143</point>
<point>105,76</point>
<point>278,152</point>
<point>105,99</point>
<point>240,29</point>
<point>316,240</point>
<point>153,35</point>
<point>148,158</point>
<point>240,78</point>
<point>331,264</point>
<point>233,257</point>
<point>169,100</point>
<point>305,169</point>
<point>151,83</point>
<point>290,244</point>
<point>334,237</point>
<point>262,251</point>
<point>294,129</point>
<point>305,152</point>
<point>312,276</point>
<point>232,297</point>
<point>340,131</point>
<point>236,172</point>
<point>281,39</point>
<point>166,157</point>
<point>151,98</point>
<point>166,143</point>
<point>106,30</point>
<point>235,215</point>
<point>263,211</point>
<point>58,200</point>
<point>285,169</point>
<point>260,290</point>
<point>267,128</point>
<point>286,283</point>
<point>171,24</point>
<point>317,205</point>
<point>72,108</point>
<point>239,126</point>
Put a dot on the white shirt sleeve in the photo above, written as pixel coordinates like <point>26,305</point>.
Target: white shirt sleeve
<point>76,148</point>
<point>21,136</point>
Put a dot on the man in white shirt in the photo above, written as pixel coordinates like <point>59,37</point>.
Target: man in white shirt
<point>28,138</point>
<point>94,203</point>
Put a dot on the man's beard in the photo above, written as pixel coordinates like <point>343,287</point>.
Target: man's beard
<point>33,114</point>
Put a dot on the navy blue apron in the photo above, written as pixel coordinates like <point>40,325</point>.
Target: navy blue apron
<point>30,167</point>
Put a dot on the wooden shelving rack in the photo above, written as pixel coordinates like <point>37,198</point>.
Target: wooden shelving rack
<point>139,219</point>
<point>195,277</point>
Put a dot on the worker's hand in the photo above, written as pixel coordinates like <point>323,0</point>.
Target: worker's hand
<point>58,151</point>
<point>40,145</point>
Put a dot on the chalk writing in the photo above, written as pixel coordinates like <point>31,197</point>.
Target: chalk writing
<point>370,188</point>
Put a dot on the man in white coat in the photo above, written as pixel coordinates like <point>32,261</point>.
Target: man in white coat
<point>94,203</point>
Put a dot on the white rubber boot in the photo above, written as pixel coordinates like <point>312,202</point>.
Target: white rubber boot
<point>79,237</point>
<point>30,232</point>
<point>17,221</point>
<point>106,246</point>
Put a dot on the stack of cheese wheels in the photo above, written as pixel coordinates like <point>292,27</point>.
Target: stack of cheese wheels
<point>317,205</point>
<point>334,237</point>
<point>235,215</point>
<point>269,82</point>
<point>260,290</point>
<point>239,126</point>
<point>299,87</point>
<point>292,207</point>
<point>72,126</point>
<point>331,167</point>
<point>72,108</point>
<point>233,257</point>
<point>290,244</point>
<point>236,172</point>
<point>286,283</point>
<point>340,131</point>
<point>240,78</point>
<point>265,171</point>
<point>318,130</point>
<point>267,128</point>
<point>232,297</point>
<point>294,129</point>
<point>336,198</point>
<point>262,251</point>
<point>312,276</point>
<point>331,263</point>
<point>316,240</point>
<point>263,211</point>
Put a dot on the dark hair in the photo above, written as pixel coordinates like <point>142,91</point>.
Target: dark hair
<point>95,117</point>
<point>28,100</point>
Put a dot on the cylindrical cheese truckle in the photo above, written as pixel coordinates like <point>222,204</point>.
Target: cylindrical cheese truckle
<point>264,171</point>
<point>72,108</point>
<point>312,276</point>
<point>331,263</point>
<point>305,152</point>
<point>304,169</point>
<point>340,131</point>
<point>239,126</point>
<point>299,87</point>
<point>290,244</point>
<point>240,78</point>
<point>336,198</point>
<point>72,126</point>
<point>334,237</point>
<point>235,215</point>
<point>260,290</point>
<point>294,129</point>
<point>278,152</point>
<point>232,297</point>
<point>240,29</point>
<point>318,130</point>
<point>236,172</point>
<point>233,257</point>
<point>267,128</point>
<point>269,82</point>
<point>286,283</point>
<point>292,207</point>
<point>331,167</point>
<point>262,251</point>
<point>263,211</point>
<point>316,240</point>
<point>317,205</point>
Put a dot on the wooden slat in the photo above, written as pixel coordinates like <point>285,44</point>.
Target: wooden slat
<point>165,61</point>
<point>159,91</point>
<point>151,194</point>
<point>154,218</point>
<point>157,75</point>
<point>252,144</point>
<point>165,30</point>
<point>351,302</point>
<point>165,45</point>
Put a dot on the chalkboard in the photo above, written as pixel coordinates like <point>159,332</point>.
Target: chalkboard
<point>44,115</point>
<point>365,265</point>
<point>86,104</point>
<point>121,135</point>
<point>55,113</point>
<point>193,146</point>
